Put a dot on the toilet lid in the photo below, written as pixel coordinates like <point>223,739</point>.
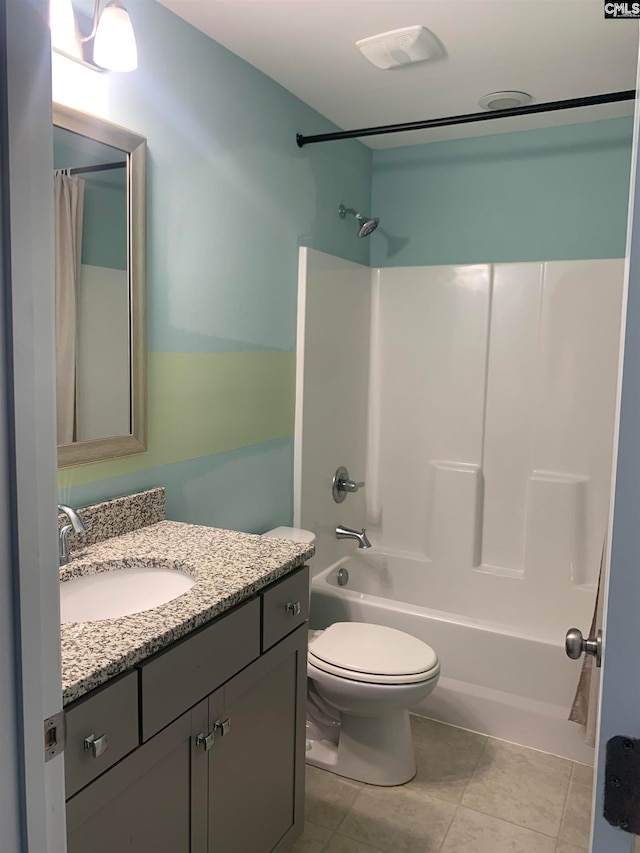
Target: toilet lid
<point>375,650</point>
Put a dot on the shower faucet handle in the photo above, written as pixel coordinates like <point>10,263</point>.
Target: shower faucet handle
<point>342,485</point>
<point>349,485</point>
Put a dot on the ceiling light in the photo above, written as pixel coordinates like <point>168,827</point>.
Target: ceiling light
<point>114,45</point>
<point>400,47</point>
<point>508,100</point>
<point>111,43</point>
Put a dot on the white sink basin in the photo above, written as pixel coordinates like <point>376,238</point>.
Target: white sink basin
<point>121,591</point>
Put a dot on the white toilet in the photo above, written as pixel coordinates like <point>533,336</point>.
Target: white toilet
<point>363,678</point>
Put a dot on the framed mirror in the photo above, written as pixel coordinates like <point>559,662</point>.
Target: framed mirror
<point>100,280</point>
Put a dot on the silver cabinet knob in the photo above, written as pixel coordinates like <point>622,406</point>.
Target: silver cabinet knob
<point>575,645</point>
<point>222,726</point>
<point>205,741</point>
<point>293,608</point>
<point>95,745</point>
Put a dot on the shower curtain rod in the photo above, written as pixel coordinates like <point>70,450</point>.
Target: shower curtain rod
<point>551,106</point>
<point>102,167</point>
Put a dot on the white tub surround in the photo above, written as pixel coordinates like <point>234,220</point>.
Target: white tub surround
<point>332,369</point>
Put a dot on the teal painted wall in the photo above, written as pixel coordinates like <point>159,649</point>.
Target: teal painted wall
<point>249,488</point>
<point>230,199</point>
<point>551,194</point>
<point>231,196</point>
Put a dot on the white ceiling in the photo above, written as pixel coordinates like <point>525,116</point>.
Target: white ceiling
<point>553,49</point>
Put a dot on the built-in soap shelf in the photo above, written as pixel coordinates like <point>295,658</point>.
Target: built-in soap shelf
<point>553,537</point>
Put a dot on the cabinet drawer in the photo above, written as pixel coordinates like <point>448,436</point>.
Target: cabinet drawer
<point>110,713</point>
<point>174,680</point>
<point>285,606</point>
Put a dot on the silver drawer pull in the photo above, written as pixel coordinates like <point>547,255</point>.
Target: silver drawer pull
<point>96,745</point>
<point>293,608</point>
<point>205,741</point>
<point>222,726</point>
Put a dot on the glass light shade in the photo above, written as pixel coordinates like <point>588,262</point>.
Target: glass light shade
<point>114,46</point>
<point>63,26</point>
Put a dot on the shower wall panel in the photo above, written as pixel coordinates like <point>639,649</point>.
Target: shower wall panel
<point>494,414</point>
<point>510,413</point>
<point>432,341</point>
<point>332,369</point>
<point>478,404</point>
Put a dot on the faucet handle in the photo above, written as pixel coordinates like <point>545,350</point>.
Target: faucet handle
<point>342,485</point>
<point>349,485</point>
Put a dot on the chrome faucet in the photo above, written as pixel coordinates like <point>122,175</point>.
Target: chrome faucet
<point>76,524</point>
<point>348,533</point>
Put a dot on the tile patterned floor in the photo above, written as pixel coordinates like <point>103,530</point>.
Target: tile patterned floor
<point>471,794</point>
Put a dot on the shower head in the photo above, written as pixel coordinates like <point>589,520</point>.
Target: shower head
<point>367,225</point>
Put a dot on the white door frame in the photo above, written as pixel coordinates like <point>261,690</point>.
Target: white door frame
<point>30,370</point>
<point>11,802</point>
<point>620,688</point>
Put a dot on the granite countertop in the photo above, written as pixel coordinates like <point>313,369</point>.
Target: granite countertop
<point>228,567</point>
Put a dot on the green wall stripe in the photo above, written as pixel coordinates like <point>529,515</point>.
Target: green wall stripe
<point>206,403</point>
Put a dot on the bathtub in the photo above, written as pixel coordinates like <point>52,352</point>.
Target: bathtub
<point>494,679</point>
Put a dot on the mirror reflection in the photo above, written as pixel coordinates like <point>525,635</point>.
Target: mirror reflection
<point>100,288</point>
<point>92,289</point>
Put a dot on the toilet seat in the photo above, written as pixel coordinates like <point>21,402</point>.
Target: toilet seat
<point>372,654</point>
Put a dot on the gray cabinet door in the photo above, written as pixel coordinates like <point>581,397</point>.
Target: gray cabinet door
<point>256,764</point>
<point>144,803</point>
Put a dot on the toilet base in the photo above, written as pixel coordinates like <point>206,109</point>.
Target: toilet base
<point>375,750</point>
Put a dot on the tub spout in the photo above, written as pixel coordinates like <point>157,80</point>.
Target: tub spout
<point>348,533</point>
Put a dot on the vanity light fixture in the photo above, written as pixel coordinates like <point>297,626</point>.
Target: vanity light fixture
<point>110,44</point>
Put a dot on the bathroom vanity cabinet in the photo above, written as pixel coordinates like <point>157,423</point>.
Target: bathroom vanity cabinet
<point>204,740</point>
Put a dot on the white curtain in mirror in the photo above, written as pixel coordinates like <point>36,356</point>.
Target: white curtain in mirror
<point>69,204</point>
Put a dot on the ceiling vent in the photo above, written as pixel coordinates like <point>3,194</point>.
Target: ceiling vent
<point>508,100</point>
<point>400,47</point>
